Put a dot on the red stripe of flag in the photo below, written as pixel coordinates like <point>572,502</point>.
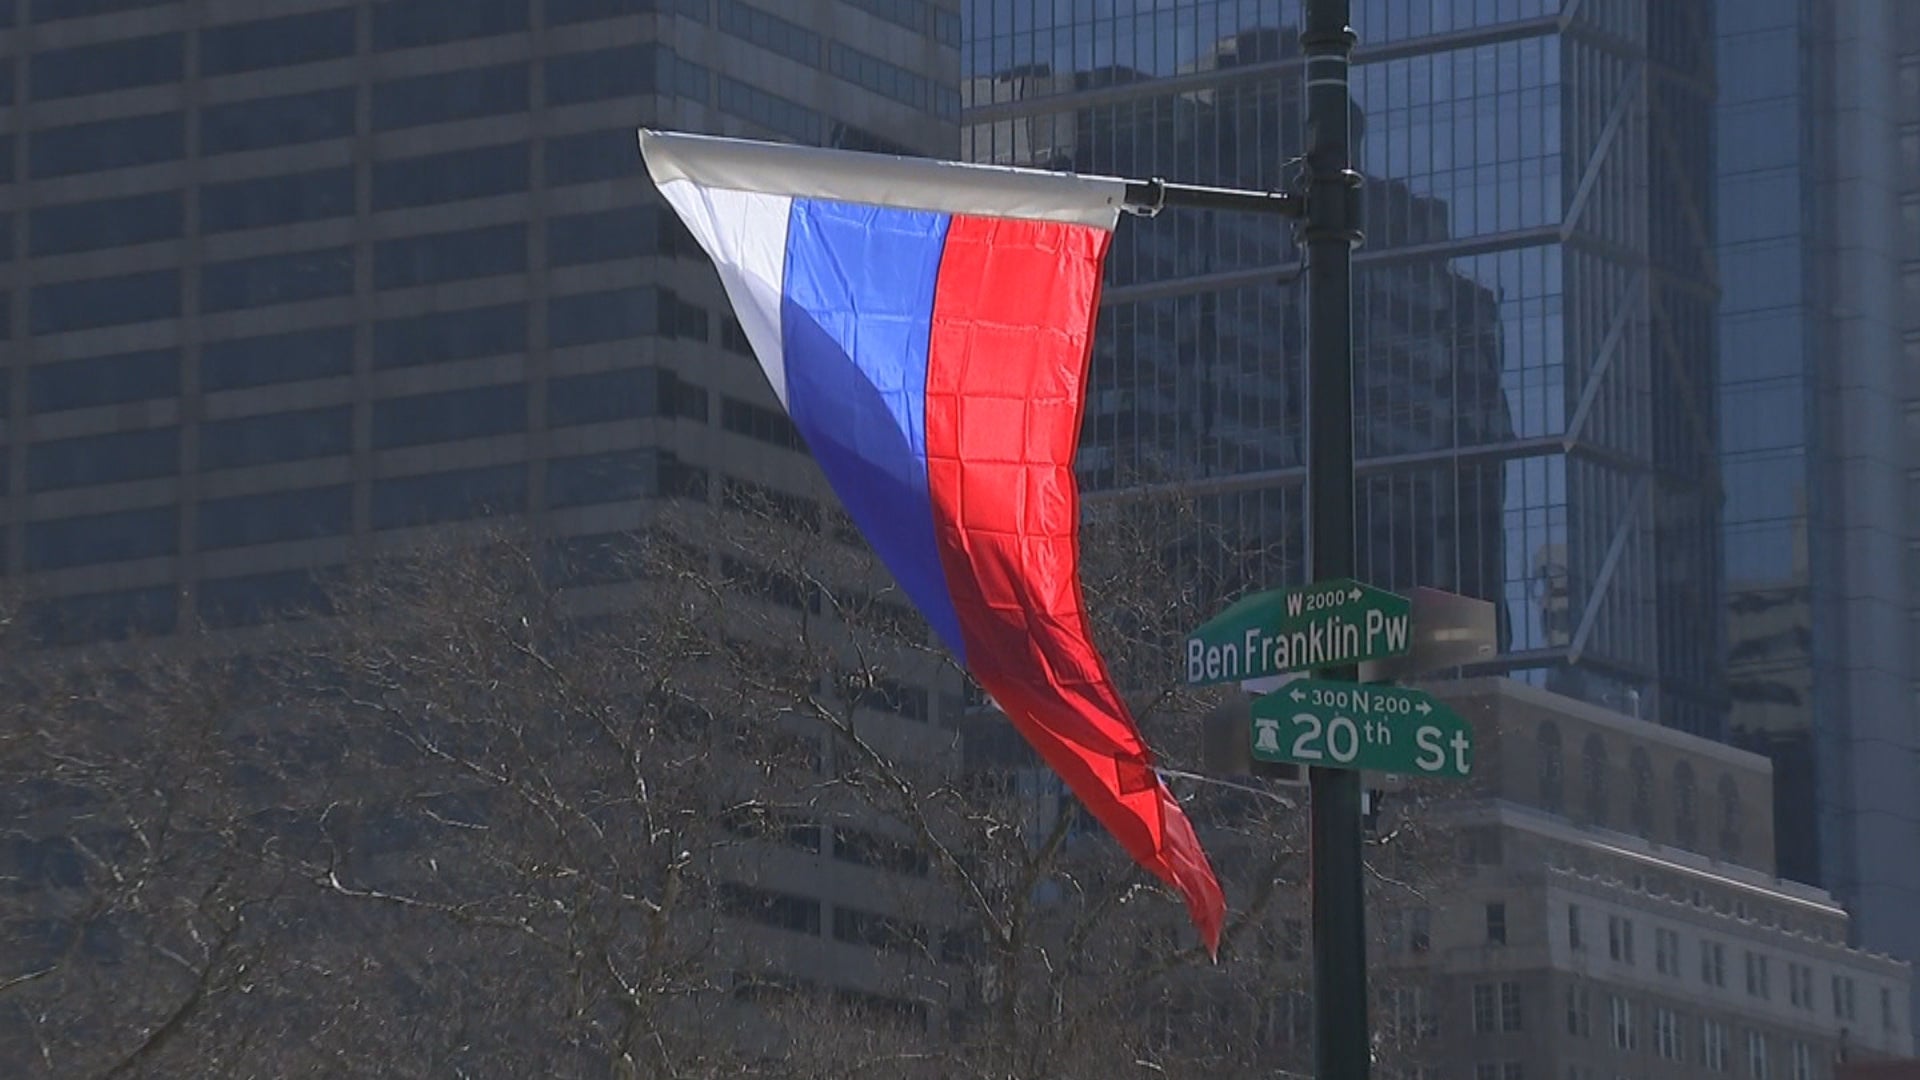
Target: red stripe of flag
<point>1006,385</point>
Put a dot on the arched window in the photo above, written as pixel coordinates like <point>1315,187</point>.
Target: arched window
<point>1641,766</point>
<point>1729,818</point>
<point>1593,768</point>
<point>1551,768</point>
<point>1686,808</point>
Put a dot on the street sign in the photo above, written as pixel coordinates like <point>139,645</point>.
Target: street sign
<point>1449,630</point>
<point>1339,725</point>
<point>1324,624</point>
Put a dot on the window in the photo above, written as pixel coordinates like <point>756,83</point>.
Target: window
<point>1757,976</point>
<point>223,603</point>
<point>45,11</point>
<point>1293,939</point>
<point>102,538</point>
<point>1620,1019</point>
<point>1799,985</point>
<point>1713,963</point>
<point>1620,938</point>
<point>448,496</point>
<point>1686,810</point>
<point>105,223</point>
<point>1666,951</point>
<point>448,336</point>
<point>618,72</point>
<point>1593,768</point>
<point>887,80</point>
<point>83,305</point>
<point>879,931</point>
<point>1509,1006</point>
<point>449,416</point>
<point>276,358</point>
<point>575,239</point>
<point>276,437</point>
<point>265,123</point>
<point>911,14</point>
<point>772,427</point>
<point>274,518</point>
<point>113,65</point>
<point>276,200</point>
<point>594,155</point>
<point>103,380</point>
<point>1578,1024</point>
<point>770,32</point>
<point>106,144</point>
<point>281,42</point>
<point>1666,1034</point>
<point>1420,932</point>
<point>1549,766</point>
<point>1713,1045</point>
<point>589,318</point>
<point>453,95</point>
<point>407,24</point>
<point>1407,1012</point>
<point>450,256</point>
<point>1573,929</point>
<point>116,457</point>
<point>783,911</point>
<point>770,111</point>
<point>457,175</point>
<point>276,279</point>
<point>1843,1002</point>
<point>602,478</point>
<point>1496,923</point>
<point>1886,1008</point>
<point>1486,1019</point>
<point>1757,1068</point>
<point>1641,767</point>
<point>1802,1061</point>
<point>109,616</point>
<point>862,848</point>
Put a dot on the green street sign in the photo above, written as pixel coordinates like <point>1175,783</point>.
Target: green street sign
<point>1340,725</point>
<point>1324,624</point>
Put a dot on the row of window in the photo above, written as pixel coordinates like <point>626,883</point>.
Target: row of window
<point>1670,1033</point>
<point>1713,967</point>
<point>801,915</point>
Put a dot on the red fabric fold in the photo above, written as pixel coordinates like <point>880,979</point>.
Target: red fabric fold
<point>1012,336</point>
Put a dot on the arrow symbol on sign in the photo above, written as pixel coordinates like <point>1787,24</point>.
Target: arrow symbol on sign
<point>1299,695</point>
<point>1424,708</point>
<point>1355,594</point>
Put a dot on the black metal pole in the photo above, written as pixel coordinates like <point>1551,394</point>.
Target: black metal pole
<point>1342,1046</point>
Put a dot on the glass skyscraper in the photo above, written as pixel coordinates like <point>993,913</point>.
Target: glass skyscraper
<point>1819,229</point>
<point>1535,386</point>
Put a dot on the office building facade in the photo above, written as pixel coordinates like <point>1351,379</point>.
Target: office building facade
<point>1534,386</point>
<point>1818,194</point>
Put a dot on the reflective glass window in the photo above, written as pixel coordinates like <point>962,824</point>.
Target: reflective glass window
<point>603,397</point>
<point>105,223</point>
<point>445,417</point>
<point>561,12</point>
<point>770,111</point>
<point>593,155</point>
<point>911,14</point>
<point>102,538</point>
<point>450,335</point>
<point>279,42</point>
<point>112,458</point>
<point>276,279</point>
<point>448,496</point>
<point>263,123</point>
<point>276,358</point>
<point>258,598</point>
<point>103,380</point>
<point>602,316</point>
<point>53,10</point>
<point>112,65</point>
<point>276,200</point>
<point>110,616</point>
<point>770,31</point>
<point>406,24</point>
<point>453,95</point>
<point>113,301</point>
<point>631,231</point>
<point>105,144</point>
<point>6,81</point>
<point>450,177</point>
<point>601,478</point>
<point>275,518</point>
<point>887,80</point>
<point>276,437</point>
<point>452,256</point>
<point>621,71</point>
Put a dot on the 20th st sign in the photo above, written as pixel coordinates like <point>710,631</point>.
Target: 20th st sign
<point>1349,726</point>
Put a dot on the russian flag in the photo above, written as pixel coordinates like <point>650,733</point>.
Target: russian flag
<point>928,326</point>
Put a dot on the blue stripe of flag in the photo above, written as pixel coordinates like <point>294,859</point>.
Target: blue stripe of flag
<point>856,316</point>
